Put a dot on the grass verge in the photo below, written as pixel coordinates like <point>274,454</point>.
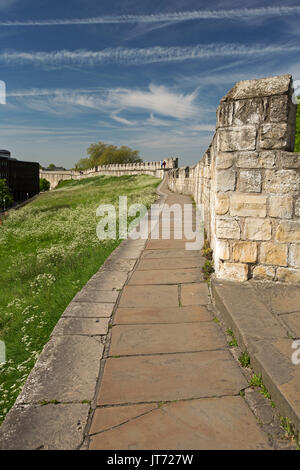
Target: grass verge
<point>48,251</point>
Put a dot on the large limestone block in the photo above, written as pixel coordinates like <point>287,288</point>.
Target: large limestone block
<point>274,254</point>
<point>224,160</point>
<point>244,252</point>
<point>237,138</point>
<point>282,181</point>
<point>281,207</point>
<point>288,231</point>
<point>264,273</point>
<point>278,108</point>
<point>250,111</point>
<point>263,159</point>
<point>248,205</point>
<point>222,203</point>
<point>257,229</point>
<point>297,207</point>
<point>227,228</point>
<point>273,136</point>
<point>250,181</point>
<point>294,256</point>
<point>222,250</point>
<point>226,180</point>
<point>289,159</point>
<point>278,85</point>
<point>233,271</point>
<point>288,275</point>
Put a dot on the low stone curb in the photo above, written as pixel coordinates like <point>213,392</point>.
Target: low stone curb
<point>268,343</point>
<point>53,408</point>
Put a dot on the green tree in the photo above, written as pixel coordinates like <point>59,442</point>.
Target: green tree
<point>6,198</point>
<point>104,154</point>
<point>51,166</point>
<point>44,184</point>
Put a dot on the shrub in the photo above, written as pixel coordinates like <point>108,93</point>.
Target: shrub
<point>44,184</point>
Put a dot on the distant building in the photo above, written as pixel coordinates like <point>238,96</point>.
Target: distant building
<point>22,177</point>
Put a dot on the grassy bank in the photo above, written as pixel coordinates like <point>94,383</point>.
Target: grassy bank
<point>48,251</point>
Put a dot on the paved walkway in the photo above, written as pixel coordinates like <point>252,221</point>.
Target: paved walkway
<point>169,380</point>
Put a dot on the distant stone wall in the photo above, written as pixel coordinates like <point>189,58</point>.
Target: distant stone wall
<point>149,168</point>
<point>249,183</point>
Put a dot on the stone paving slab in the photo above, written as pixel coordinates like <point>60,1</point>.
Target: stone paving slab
<point>138,379</point>
<point>281,298</point>
<point>170,263</point>
<point>249,319</point>
<point>106,418</point>
<point>166,244</point>
<point>48,427</point>
<point>166,276</point>
<point>194,313</point>
<point>195,294</point>
<point>149,296</point>
<point>281,377</point>
<point>67,371</point>
<point>88,310</point>
<point>108,280</point>
<point>210,423</point>
<point>176,337</point>
<point>81,326</point>
<point>292,320</point>
<point>121,265</point>
<point>94,295</point>
<point>167,253</point>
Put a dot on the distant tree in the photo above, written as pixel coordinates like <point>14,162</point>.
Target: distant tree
<point>51,166</point>
<point>44,184</point>
<point>6,199</point>
<point>104,154</point>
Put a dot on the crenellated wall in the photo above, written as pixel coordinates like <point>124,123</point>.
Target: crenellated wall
<point>149,168</point>
<point>249,183</point>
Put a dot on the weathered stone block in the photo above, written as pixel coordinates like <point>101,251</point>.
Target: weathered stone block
<point>233,271</point>
<point>281,181</point>
<point>289,159</point>
<point>273,136</point>
<point>250,181</point>
<point>294,256</point>
<point>228,228</point>
<point>248,205</point>
<point>281,206</point>
<point>273,253</point>
<point>264,159</point>
<point>222,203</point>
<point>267,159</point>
<point>226,180</point>
<point>278,108</point>
<point>297,208</point>
<point>224,160</point>
<point>225,114</point>
<point>237,138</point>
<point>264,272</point>
<point>288,275</point>
<point>222,250</point>
<point>261,87</point>
<point>288,232</point>
<point>250,111</point>
<point>257,229</point>
<point>247,160</point>
<point>245,252</point>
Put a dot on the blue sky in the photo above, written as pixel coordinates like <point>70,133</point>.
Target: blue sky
<point>143,73</point>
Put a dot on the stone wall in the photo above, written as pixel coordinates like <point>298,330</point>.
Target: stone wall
<point>149,168</point>
<point>249,183</point>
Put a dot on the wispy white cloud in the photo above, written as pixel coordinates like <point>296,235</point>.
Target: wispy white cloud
<point>239,14</point>
<point>154,121</point>
<point>122,120</point>
<point>158,99</point>
<point>144,56</point>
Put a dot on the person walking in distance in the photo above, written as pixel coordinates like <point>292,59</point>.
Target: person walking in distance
<point>164,164</point>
